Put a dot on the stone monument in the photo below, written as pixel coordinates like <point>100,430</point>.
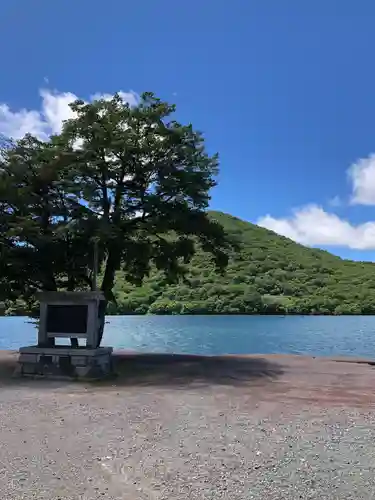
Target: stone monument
<point>74,315</point>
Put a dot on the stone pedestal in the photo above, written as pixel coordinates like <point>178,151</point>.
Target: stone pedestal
<point>65,362</point>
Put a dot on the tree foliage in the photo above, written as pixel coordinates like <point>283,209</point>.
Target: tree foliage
<point>132,178</point>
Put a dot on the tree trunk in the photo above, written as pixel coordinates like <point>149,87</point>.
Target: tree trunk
<point>112,265</point>
<point>101,315</point>
<point>74,342</point>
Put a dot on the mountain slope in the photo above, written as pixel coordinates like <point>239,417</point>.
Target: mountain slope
<point>270,274</point>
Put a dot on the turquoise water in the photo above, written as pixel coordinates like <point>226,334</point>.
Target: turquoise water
<point>314,335</point>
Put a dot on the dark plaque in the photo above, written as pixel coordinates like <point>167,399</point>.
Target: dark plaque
<point>67,319</point>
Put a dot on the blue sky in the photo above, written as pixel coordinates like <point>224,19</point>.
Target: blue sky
<point>283,90</point>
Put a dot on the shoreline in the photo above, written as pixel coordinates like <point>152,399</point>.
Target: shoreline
<point>277,314</point>
<point>129,353</point>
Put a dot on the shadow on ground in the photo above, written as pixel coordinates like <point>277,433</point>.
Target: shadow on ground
<point>132,369</point>
<point>179,369</point>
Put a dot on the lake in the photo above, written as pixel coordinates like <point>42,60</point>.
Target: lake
<point>314,335</point>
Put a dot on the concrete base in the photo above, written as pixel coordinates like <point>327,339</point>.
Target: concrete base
<point>65,362</point>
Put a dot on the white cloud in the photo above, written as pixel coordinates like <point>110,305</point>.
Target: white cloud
<point>56,108</point>
<point>335,201</point>
<point>313,226</point>
<point>48,120</point>
<point>362,177</point>
<point>130,97</point>
<point>16,124</point>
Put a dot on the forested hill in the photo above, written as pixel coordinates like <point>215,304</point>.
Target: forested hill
<point>270,274</point>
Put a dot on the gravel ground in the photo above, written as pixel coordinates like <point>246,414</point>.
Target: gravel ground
<point>298,428</point>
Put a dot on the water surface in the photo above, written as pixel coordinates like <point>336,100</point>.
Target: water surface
<point>313,335</point>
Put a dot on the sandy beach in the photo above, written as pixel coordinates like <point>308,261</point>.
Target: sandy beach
<point>176,427</point>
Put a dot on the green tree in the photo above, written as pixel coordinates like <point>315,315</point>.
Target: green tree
<point>132,178</point>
